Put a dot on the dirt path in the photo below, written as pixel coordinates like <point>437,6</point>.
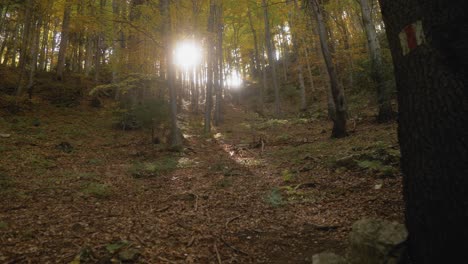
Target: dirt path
<point>224,203</point>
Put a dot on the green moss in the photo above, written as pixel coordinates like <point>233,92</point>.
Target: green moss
<point>151,169</point>
<point>97,190</point>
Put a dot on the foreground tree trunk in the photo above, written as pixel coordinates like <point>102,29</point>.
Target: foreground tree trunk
<point>428,41</point>
<point>383,94</point>
<point>339,120</point>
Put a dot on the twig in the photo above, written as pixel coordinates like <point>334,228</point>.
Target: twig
<point>139,240</point>
<point>190,243</point>
<point>217,254</point>
<point>163,209</point>
<point>233,248</point>
<point>231,219</point>
<point>196,202</point>
<point>166,260</point>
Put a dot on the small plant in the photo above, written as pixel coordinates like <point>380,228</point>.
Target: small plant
<point>116,246</point>
<point>287,175</point>
<point>151,169</point>
<point>97,190</point>
<point>274,198</point>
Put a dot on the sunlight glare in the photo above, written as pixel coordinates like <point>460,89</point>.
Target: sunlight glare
<point>234,80</point>
<point>188,54</point>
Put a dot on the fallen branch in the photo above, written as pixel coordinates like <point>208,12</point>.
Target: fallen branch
<point>196,202</point>
<point>233,248</point>
<point>231,219</point>
<point>163,209</point>
<point>166,260</point>
<point>190,243</point>
<point>217,254</point>
<point>305,185</point>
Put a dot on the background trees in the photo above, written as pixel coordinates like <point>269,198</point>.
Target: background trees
<point>277,49</point>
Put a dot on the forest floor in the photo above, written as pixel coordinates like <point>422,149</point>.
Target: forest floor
<point>75,190</point>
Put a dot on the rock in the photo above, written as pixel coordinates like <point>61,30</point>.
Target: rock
<point>371,241</point>
<point>328,258</point>
<point>5,135</point>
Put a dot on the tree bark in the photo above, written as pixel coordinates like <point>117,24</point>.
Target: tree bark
<point>383,94</point>
<point>64,40</point>
<point>33,65</point>
<point>220,62</point>
<point>339,121</point>
<point>176,137</point>
<point>432,80</point>
<point>209,67</point>
<point>271,57</point>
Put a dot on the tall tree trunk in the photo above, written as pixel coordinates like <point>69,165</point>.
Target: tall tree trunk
<point>339,122</point>
<point>383,93</point>
<point>220,62</point>
<point>33,66</point>
<point>309,71</point>
<point>428,41</point>
<point>176,137</point>
<point>89,55</point>
<point>44,47</point>
<point>64,40</point>
<point>271,56</point>
<point>259,65</point>
<point>255,40</point>
<point>209,69</point>
<point>295,42</point>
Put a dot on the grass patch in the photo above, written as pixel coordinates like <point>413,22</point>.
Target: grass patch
<point>95,162</point>
<point>152,169</point>
<point>97,190</point>
<point>39,162</point>
<point>271,123</point>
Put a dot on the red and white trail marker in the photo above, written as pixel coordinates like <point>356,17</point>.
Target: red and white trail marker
<point>411,37</point>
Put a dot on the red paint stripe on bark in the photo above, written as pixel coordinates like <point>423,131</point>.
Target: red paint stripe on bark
<point>411,37</point>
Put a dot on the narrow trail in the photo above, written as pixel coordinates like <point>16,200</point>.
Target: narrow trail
<point>221,205</point>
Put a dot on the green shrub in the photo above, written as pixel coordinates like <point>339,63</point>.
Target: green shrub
<point>147,114</point>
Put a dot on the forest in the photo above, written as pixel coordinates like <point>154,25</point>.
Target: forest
<point>248,131</point>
